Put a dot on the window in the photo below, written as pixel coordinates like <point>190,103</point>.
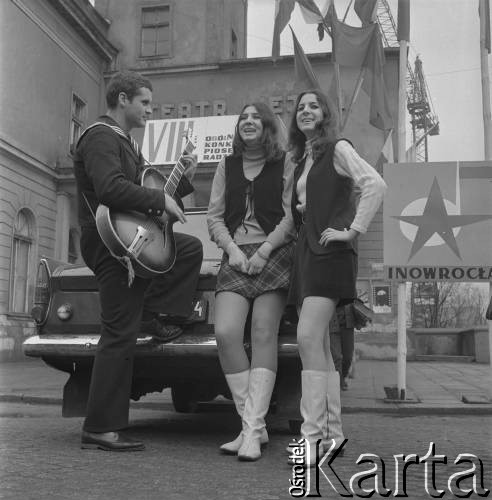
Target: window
<point>233,45</point>
<point>77,121</point>
<point>20,263</point>
<point>156,31</point>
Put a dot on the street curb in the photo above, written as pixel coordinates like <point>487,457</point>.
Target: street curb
<point>413,410</point>
<point>21,398</point>
<point>46,400</point>
<point>423,410</point>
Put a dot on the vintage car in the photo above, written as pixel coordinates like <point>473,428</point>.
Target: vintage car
<point>67,313</point>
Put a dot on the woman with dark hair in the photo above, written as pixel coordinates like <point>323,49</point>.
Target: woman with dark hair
<point>249,218</point>
<point>327,218</point>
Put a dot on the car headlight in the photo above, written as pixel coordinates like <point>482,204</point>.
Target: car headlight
<point>65,312</point>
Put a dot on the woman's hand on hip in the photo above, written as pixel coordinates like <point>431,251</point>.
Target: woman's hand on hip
<point>330,234</point>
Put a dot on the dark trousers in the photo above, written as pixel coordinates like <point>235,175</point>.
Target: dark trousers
<point>121,313</point>
<point>342,350</point>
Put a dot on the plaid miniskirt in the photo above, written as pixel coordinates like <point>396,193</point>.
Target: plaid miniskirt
<point>274,276</point>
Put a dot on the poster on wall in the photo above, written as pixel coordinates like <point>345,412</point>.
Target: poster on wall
<point>364,292</point>
<point>212,136</point>
<point>381,299</point>
<point>437,221</point>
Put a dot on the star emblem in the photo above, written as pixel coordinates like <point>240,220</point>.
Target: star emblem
<point>436,220</point>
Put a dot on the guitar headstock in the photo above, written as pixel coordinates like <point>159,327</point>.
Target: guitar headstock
<point>191,141</point>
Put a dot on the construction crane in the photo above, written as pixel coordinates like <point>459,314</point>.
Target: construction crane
<point>423,119</point>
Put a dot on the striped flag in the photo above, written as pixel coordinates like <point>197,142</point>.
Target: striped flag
<point>387,155</point>
<point>312,14</point>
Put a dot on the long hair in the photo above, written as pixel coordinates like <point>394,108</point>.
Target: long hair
<point>270,137</point>
<point>326,130</point>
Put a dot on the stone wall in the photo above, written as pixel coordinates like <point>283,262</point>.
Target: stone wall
<point>13,332</point>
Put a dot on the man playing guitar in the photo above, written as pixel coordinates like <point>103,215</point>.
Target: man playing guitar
<point>108,166</point>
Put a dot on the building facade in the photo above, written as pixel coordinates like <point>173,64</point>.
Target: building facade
<point>54,56</point>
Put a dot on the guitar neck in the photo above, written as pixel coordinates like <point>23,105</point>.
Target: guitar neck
<point>178,170</point>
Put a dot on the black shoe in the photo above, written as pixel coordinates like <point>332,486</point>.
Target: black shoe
<point>343,384</point>
<point>109,441</point>
<point>175,320</point>
<point>160,331</point>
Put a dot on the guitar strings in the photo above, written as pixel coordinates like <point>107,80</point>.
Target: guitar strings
<point>171,183</point>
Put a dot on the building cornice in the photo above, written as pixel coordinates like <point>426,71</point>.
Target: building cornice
<point>245,63</point>
<point>18,154</point>
<point>61,176</point>
<point>89,24</point>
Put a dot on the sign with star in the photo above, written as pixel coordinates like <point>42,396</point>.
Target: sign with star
<point>437,221</point>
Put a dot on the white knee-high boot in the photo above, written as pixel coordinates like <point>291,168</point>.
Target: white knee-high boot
<point>334,420</point>
<point>239,384</point>
<point>261,383</point>
<point>332,427</point>
<point>313,410</point>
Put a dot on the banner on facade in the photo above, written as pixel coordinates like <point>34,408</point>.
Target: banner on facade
<point>212,135</point>
<point>437,221</point>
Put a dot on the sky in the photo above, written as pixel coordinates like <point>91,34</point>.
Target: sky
<point>445,35</point>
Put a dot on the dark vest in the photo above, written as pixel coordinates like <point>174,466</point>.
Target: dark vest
<point>330,202</point>
<point>266,190</point>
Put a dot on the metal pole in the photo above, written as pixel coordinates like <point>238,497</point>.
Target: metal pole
<point>401,350</point>
<point>347,10</point>
<point>487,131</point>
<point>490,347</point>
<point>484,65</point>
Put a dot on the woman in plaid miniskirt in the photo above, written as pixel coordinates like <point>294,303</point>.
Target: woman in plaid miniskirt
<point>249,217</point>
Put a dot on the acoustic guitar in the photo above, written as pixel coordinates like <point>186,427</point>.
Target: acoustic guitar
<point>144,244</point>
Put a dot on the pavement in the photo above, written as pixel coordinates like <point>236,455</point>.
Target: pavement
<point>432,387</point>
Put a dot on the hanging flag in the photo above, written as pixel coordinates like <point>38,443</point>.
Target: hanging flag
<point>283,11</point>
<point>387,155</point>
<point>350,44</point>
<point>366,10</point>
<point>331,13</point>
<point>312,14</point>
<point>403,20</point>
<point>310,11</point>
<point>305,77</point>
<point>325,25</point>
<point>373,84</point>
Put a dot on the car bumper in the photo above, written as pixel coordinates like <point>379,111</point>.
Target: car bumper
<point>186,345</point>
